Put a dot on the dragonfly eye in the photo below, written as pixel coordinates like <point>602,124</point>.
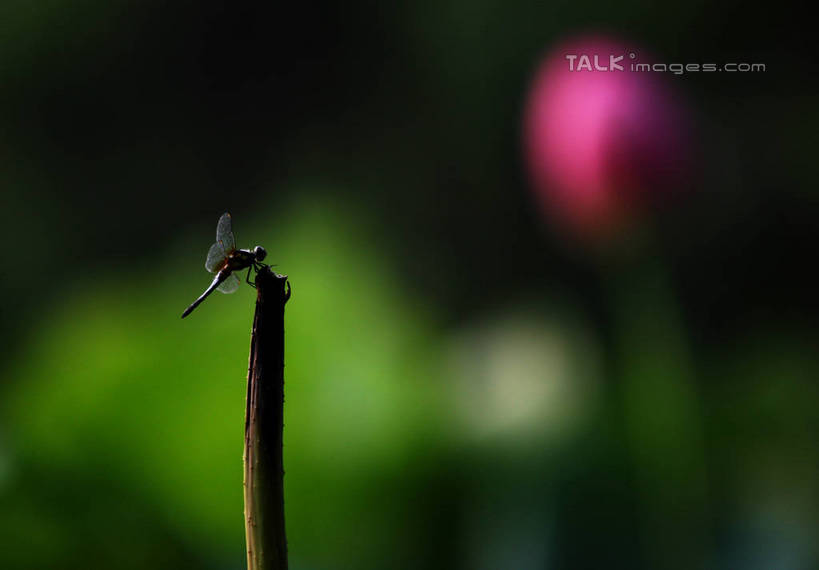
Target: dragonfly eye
<point>259,252</point>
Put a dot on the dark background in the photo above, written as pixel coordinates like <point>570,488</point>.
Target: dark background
<point>375,150</point>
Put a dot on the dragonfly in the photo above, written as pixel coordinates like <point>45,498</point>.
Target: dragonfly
<point>224,260</point>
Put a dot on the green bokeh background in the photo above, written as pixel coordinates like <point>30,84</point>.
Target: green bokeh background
<point>465,386</point>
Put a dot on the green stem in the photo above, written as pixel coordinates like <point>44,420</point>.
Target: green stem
<point>264,422</point>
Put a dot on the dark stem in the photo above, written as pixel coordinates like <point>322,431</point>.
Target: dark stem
<point>264,421</point>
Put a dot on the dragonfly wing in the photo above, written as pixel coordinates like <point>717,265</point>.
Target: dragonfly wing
<point>216,257</point>
<point>224,233</point>
<point>229,285</point>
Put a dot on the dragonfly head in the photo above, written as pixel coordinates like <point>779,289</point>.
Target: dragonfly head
<point>259,252</point>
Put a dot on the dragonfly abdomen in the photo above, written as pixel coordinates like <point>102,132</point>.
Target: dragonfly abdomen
<point>221,276</point>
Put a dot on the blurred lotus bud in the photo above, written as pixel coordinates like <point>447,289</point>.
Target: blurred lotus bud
<point>603,139</point>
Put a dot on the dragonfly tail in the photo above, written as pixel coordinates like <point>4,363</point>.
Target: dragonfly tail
<point>214,284</point>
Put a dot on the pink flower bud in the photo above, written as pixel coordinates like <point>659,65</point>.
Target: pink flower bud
<point>602,140</point>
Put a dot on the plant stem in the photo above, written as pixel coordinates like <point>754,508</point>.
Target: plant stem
<point>264,421</point>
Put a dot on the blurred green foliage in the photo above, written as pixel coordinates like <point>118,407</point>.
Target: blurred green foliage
<point>116,388</point>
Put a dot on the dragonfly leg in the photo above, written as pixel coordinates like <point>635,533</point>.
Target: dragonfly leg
<point>247,278</point>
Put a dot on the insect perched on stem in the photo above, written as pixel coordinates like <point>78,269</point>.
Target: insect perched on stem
<point>225,260</point>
